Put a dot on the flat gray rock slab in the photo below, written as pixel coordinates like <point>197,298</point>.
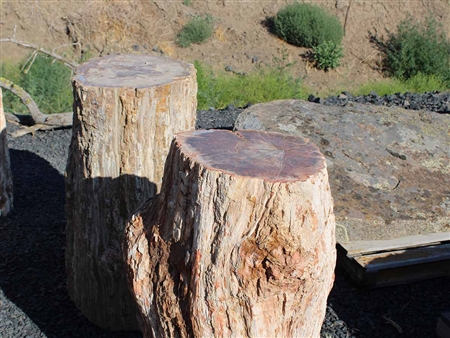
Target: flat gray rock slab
<point>389,167</point>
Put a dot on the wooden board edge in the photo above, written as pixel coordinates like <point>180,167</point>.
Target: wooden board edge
<point>392,276</point>
<point>358,248</point>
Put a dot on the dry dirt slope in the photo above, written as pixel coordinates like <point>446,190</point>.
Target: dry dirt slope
<point>139,26</point>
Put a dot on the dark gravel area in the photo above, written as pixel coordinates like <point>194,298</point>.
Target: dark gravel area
<point>33,299</point>
<point>433,101</point>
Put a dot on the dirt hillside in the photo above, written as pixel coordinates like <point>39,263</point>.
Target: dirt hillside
<point>241,39</point>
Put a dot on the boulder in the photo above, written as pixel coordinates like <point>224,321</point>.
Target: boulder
<point>389,167</point>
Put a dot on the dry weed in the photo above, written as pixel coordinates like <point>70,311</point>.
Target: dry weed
<point>219,34</point>
<point>168,48</point>
<point>112,26</point>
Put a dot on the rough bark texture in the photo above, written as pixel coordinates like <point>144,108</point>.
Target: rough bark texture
<point>240,242</point>
<point>6,183</point>
<point>127,109</point>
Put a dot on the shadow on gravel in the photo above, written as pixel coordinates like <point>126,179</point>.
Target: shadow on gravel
<point>409,310</point>
<point>32,240</point>
<point>32,271</point>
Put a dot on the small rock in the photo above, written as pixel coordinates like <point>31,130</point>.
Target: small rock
<point>324,142</point>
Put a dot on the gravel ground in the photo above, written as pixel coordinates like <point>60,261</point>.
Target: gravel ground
<point>434,101</point>
<point>33,299</point>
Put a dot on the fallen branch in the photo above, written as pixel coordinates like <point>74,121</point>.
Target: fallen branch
<point>27,100</point>
<point>55,120</point>
<point>39,120</point>
<point>25,120</point>
<point>394,324</point>
<point>30,130</point>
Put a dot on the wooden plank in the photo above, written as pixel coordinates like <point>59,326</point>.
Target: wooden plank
<point>410,273</point>
<point>443,326</point>
<point>358,248</point>
<point>397,267</point>
<point>393,259</point>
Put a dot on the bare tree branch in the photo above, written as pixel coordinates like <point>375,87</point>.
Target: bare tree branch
<point>69,63</point>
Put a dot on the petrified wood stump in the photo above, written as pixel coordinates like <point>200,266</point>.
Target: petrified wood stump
<point>127,109</point>
<point>6,182</point>
<point>240,242</point>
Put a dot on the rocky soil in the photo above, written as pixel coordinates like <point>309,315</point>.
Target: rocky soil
<point>241,39</point>
<point>33,298</point>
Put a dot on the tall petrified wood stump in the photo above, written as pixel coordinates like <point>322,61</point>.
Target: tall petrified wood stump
<point>6,182</point>
<point>240,242</point>
<point>127,109</point>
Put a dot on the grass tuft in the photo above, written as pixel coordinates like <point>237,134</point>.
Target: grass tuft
<point>197,30</point>
<point>262,85</point>
<point>419,83</point>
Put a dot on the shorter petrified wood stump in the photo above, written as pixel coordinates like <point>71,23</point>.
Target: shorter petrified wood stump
<point>240,242</point>
<point>6,183</point>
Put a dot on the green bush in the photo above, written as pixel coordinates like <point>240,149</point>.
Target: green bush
<point>417,48</point>
<point>47,81</point>
<point>197,30</point>
<point>307,25</point>
<point>328,55</point>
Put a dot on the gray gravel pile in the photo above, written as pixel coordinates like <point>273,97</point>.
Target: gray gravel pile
<point>34,301</point>
<point>432,101</point>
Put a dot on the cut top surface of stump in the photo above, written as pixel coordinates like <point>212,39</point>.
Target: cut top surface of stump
<point>268,156</point>
<point>130,71</point>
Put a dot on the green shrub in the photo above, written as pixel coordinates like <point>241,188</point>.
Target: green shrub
<point>197,30</point>
<point>417,48</point>
<point>263,85</point>
<point>307,25</point>
<point>328,55</point>
<point>47,81</point>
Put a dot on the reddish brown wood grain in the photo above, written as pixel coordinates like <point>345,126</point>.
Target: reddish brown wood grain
<point>240,242</point>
